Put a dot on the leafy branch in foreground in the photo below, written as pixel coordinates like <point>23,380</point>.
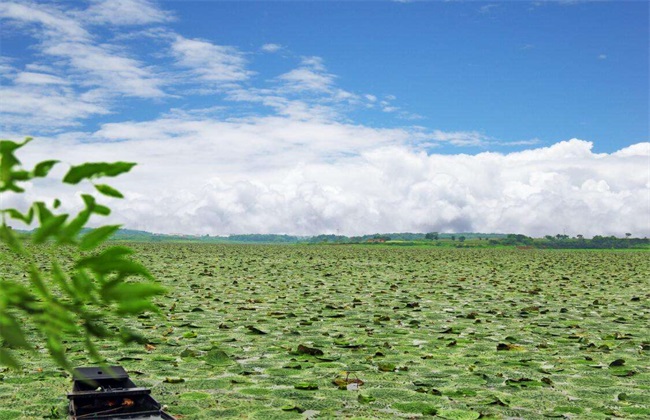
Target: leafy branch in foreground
<point>79,299</point>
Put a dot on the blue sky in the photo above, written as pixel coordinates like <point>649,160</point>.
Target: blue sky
<point>352,117</point>
<point>511,70</point>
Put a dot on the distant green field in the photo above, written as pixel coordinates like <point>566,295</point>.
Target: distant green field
<point>273,332</point>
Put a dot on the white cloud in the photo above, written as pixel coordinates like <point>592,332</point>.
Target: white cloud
<point>54,21</point>
<point>210,62</point>
<point>281,175</point>
<point>310,76</point>
<point>76,52</point>
<point>44,107</point>
<point>271,48</point>
<point>103,67</point>
<point>125,12</point>
<point>32,78</point>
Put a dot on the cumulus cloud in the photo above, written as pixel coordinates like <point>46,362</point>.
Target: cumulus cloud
<point>293,162</point>
<point>284,176</point>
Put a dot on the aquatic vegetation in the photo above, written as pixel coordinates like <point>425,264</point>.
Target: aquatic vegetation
<point>377,332</point>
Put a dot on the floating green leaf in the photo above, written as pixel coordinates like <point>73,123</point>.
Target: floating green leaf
<point>96,170</point>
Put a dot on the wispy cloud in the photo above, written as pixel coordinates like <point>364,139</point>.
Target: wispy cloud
<point>54,21</point>
<point>271,48</point>
<point>125,12</point>
<point>210,62</point>
<point>310,76</point>
<point>487,8</point>
<point>31,78</point>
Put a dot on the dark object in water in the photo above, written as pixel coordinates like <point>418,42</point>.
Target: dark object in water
<point>99,393</point>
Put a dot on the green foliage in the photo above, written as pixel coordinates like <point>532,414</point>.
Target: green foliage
<point>82,298</point>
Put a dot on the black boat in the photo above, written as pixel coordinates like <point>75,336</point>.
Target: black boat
<point>109,393</point>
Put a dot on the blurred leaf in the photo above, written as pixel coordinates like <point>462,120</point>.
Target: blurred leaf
<point>49,228</point>
<point>16,215</point>
<point>21,175</point>
<point>83,284</point>
<point>97,236</point>
<point>44,214</point>
<point>136,307</point>
<point>101,210</point>
<point>129,335</point>
<point>111,260</point>
<point>96,328</point>
<point>7,359</point>
<point>89,201</point>
<point>11,332</point>
<point>57,203</point>
<point>108,191</point>
<point>37,281</point>
<point>61,279</point>
<point>71,230</point>
<point>8,236</point>
<point>57,351</point>
<point>125,292</point>
<point>95,170</point>
<point>43,168</point>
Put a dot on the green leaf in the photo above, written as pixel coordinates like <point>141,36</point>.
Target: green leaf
<point>70,231</point>
<point>49,228</point>
<point>7,161</point>
<point>8,236</point>
<point>37,281</point>
<point>108,190</point>
<point>44,214</point>
<point>128,335</point>
<point>61,279</point>
<point>14,294</point>
<point>21,175</point>
<point>136,307</point>
<point>7,359</point>
<point>11,332</point>
<point>216,356</point>
<point>57,203</point>
<point>417,407</point>
<point>43,168</point>
<point>57,351</point>
<point>306,386</point>
<point>101,210</point>
<point>459,414</point>
<point>125,292</point>
<point>16,215</point>
<point>365,399</point>
<point>89,201</point>
<point>95,170</point>
<point>92,350</point>
<point>83,284</point>
<point>104,265</point>
<point>97,236</point>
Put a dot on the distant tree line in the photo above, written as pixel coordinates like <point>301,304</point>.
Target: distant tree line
<point>561,241</point>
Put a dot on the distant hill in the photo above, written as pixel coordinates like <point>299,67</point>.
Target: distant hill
<point>139,235</point>
<point>458,240</point>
